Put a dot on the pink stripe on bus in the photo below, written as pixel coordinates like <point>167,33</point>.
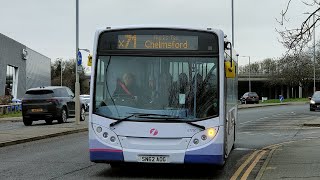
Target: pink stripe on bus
<point>105,150</point>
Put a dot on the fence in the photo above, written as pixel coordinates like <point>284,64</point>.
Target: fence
<point>11,108</point>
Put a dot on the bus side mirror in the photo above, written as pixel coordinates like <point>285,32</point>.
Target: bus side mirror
<point>89,60</point>
<point>230,70</point>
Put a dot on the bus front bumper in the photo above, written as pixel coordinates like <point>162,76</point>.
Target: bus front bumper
<point>172,156</point>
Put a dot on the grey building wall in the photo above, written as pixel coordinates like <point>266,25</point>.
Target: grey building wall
<point>38,70</point>
<point>11,54</point>
<point>35,71</point>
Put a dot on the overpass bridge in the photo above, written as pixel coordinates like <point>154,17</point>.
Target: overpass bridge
<point>260,84</point>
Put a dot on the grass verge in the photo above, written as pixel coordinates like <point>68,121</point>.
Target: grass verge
<point>17,114</point>
<point>286,100</point>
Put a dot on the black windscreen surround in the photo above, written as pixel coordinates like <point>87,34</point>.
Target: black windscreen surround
<point>158,40</point>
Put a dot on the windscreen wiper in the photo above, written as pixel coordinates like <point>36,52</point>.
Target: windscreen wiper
<point>141,115</point>
<point>120,120</point>
<point>162,117</point>
<point>178,120</point>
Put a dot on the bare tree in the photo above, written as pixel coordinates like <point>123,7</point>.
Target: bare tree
<point>295,40</point>
<point>296,70</point>
<point>68,73</point>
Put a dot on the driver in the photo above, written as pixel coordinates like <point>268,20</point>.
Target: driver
<point>127,87</point>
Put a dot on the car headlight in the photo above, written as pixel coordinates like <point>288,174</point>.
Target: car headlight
<point>312,102</point>
<point>107,136</point>
<point>203,137</point>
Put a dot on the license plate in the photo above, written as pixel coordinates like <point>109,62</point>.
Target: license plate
<point>36,110</point>
<point>153,159</point>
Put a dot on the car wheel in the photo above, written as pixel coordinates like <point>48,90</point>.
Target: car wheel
<point>82,114</point>
<point>48,121</point>
<point>64,117</point>
<point>27,121</point>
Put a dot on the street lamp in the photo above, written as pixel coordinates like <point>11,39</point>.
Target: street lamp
<point>77,84</point>
<point>232,20</point>
<point>314,52</point>
<point>249,73</point>
<point>87,50</point>
<point>61,72</point>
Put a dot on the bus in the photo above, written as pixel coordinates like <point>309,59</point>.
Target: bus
<point>162,95</point>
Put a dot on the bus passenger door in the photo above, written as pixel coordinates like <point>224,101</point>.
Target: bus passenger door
<point>231,116</point>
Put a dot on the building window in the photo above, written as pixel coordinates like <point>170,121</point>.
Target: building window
<point>11,83</point>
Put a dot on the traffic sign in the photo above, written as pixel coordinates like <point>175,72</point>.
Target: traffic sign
<point>79,58</point>
<point>79,68</point>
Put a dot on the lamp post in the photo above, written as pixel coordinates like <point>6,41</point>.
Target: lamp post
<point>314,52</point>
<point>77,84</point>
<point>61,72</point>
<point>87,50</point>
<point>249,73</point>
<point>232,14</point>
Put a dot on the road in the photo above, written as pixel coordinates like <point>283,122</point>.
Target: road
<point>66,157</point>
<point>260,127</point>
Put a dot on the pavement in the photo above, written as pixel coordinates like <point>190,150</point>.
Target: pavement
<point>289,160</point>
<point>16,133</point>
<point>292,160</point>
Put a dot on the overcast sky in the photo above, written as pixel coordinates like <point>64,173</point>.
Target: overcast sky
<point>48,26</point>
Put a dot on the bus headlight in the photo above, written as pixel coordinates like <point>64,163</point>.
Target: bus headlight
<point>312,102</point>
<point>106,135</point>
<point>203,137</point>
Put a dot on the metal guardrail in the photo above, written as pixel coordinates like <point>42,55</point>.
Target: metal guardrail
<point>11,108</point>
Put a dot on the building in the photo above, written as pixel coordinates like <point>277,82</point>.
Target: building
<point>21,68</point>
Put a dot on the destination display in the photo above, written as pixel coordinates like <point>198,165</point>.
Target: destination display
<point>158,42</point>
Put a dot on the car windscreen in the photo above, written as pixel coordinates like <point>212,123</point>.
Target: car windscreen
<point>316,95</point>
<point>39,94</point>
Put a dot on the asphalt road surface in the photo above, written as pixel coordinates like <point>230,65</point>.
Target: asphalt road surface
<point>67,157</point>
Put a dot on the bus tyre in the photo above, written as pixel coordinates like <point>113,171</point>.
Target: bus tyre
<point>63,117</point>
<point>48,121</point>
<point>82,114</point>
<point>27,121</point>
<point>116,165</point>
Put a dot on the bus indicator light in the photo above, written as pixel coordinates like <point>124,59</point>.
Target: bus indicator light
<point>212,132</point>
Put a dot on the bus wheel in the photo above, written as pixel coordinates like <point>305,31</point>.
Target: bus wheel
<point>116,165</point>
